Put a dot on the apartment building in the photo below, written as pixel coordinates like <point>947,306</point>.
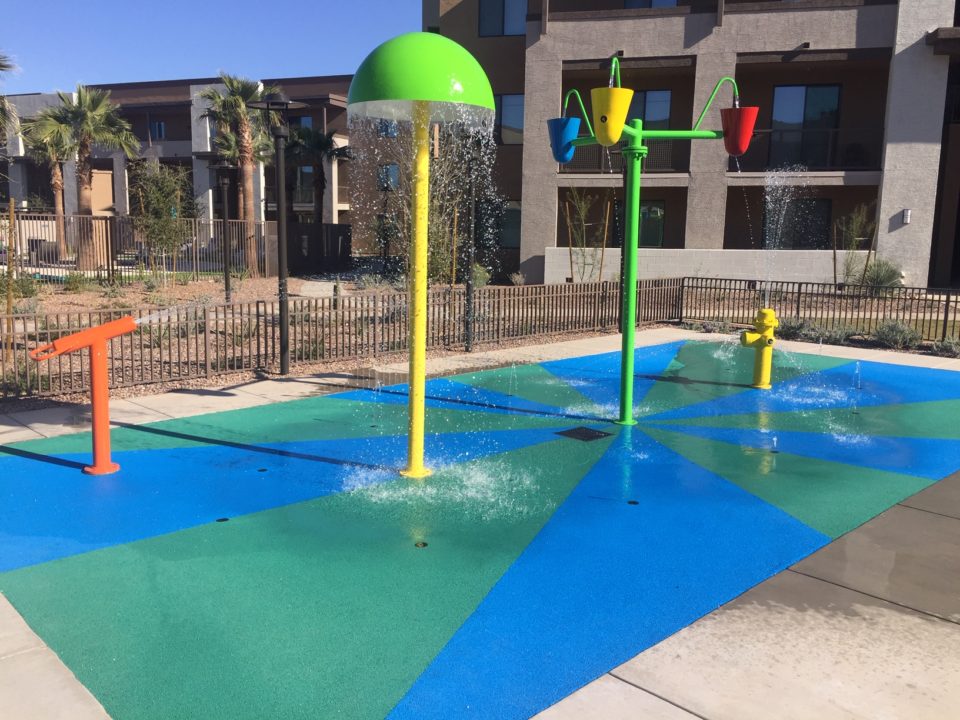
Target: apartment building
<point>167,118</point>
<point>858,109</point>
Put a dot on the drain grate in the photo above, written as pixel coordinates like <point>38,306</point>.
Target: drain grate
<point>584,434</point>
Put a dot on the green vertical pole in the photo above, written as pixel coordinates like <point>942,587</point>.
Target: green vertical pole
<point>633,155</point>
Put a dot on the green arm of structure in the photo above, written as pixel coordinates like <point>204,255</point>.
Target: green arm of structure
<point>679,134</point>
<point>614,71</point>
<point>716,89</point>
<point>656,135</point>
<point>585,140</point>
<point>583,110</point>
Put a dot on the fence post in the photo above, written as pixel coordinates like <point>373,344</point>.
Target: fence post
<point>261,321</point>
<point>680,299</point>
<point>206,339</point>
<point>799,295</point>
<point>376,320</point>
<point>946,317</point>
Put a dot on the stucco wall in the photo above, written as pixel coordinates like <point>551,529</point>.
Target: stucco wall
<point>788,265</point>
<point>715,49</point>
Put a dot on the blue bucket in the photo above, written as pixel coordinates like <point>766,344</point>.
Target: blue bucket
<point>563,131</point>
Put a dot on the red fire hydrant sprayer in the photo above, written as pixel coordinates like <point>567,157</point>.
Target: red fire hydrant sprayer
<point>96,339</point>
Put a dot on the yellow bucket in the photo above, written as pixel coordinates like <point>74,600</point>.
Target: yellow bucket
<point>610,107</point>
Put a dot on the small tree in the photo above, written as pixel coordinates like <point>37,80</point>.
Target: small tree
<point>854,230</point>
<point>161,198</point>
<point>586,231</point>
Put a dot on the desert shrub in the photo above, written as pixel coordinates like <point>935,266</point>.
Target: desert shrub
<point>154,335</point>
<point>481,276</point>
<point>23,287</point>
<point>112,290</point>
<point>792,329</point>
<point>719,326</point>
<point>517,278</point>
<point>947,348</point>
<point>837,335</point>
<point>27,306</point>
<point>897,335</point>
<point>881,275</point>
<point>369,281</point>
<point>76,282</point>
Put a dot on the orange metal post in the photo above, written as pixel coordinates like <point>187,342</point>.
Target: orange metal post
<point>100,400</point>
<point>96,339</point>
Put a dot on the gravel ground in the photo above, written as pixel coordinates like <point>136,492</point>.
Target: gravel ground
<point>54,299</point>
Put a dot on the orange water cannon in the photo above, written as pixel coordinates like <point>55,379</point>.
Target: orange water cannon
<point>96,339</point>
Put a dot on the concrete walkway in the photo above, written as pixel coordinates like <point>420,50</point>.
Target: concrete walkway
<point>868,627</point>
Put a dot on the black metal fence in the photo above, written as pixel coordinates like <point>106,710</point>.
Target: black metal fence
<point>47,247</point>
<point>931,312</point>
<point>201,342</point>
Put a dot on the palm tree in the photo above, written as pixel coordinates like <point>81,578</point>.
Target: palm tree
<point>92,120</point>
<point>8,114</point>
<point>51,144</point>
<point>313,147</point>
<point>227,147</point>
<point>230,113</point>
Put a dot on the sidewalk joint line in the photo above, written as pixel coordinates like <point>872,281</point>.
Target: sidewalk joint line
<point>875,597</point>
<point>659,697</point>
<point>932,512</point>
<point>150,409</point>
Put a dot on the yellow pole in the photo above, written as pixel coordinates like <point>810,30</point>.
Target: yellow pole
<point>418,290</point>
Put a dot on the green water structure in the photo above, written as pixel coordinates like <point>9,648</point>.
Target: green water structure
<point>610,107</point>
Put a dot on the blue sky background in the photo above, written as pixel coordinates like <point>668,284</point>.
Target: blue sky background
<point>63,42</point>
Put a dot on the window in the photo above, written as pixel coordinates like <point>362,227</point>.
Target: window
<point>388,177</point>
<point>798,224</point>
<point>304,121</point>
<point>303,189</point>
<point>653,107</point>
<point>649,3</point>
<point>510,225</point>
<point>158,129</point>
<point>503,17</point>
<point>509,119</point>
<point>805,118</point>
<point>651,223</point>
<point>387,128</point>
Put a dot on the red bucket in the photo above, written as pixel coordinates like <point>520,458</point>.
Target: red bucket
<point>738,128</point>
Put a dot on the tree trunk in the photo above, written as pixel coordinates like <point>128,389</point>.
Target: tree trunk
<point>318,188</point>
<point>250,254</point>
<point>56,185</point>
<point>86,251</point>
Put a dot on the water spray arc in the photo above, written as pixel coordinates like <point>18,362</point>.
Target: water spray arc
<point>611,105</point>
<point>421,79</point>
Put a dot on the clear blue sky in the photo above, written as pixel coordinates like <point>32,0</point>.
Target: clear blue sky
<point>59,43</point>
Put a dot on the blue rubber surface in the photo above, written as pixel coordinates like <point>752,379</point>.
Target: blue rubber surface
<point>605,579</point>
<point>932,458</point>
<point>880,384</point>
<point>160,491</point>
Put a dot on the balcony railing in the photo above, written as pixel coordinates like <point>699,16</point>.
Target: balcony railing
<point>596,159</point>
<point>819,149</point>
